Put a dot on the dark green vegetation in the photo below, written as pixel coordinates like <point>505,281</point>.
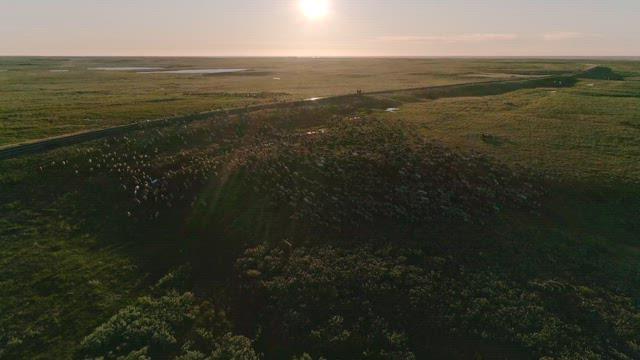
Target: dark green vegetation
<point>602,73</point>
<point>337,231</point>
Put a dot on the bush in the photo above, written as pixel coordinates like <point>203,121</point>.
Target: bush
<point>395,303</point>
<point>346,177</point>
<point>361,172</point>
<point>170,326</point>
<point>309,302</point>
<point>150,323</point>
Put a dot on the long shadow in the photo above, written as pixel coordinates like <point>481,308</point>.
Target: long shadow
<point>493,88</point>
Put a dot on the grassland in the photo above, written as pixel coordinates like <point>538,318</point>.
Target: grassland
<point>591,129</point>
<point>338,230</point>
<point>37,103</point>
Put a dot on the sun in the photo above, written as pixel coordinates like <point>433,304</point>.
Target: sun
<point>314,9</point>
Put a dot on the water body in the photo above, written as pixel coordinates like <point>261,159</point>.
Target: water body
<point>126,68</point>
<point>313,99</point>
<point>196,71</point>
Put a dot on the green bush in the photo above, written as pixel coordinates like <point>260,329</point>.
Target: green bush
<point>150,323</point>
<point>227,347</point>
<point>170,326</point>
<point>395,303</point>
<point>359,172</point>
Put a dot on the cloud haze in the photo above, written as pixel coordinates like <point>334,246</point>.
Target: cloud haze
<point>459,38</point>
<point>350,28</point>
<point>562,35</point>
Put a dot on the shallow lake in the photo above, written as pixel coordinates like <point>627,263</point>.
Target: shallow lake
<point>195,71</point>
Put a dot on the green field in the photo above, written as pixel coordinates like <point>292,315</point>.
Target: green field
<point>479,222</point>
<point>37,103</point>
<point>589,131</point>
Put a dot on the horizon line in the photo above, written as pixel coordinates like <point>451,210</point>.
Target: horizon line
<point>333,56</point>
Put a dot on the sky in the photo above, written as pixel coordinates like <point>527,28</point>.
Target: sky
<point>348,28</point>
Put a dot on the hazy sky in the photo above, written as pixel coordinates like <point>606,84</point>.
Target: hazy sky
<point>352,27</point>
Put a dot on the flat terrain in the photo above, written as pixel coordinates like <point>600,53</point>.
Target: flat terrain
<point>338,230</point>
<point>589,131</point>
<point>42,97</point>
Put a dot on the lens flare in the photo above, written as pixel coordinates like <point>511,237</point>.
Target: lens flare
<point>314,9</point>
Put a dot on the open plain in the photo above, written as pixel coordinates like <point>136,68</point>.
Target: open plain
<point>477,221</point>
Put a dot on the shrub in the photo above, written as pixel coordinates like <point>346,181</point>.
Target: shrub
<point>359,176</point>
<point>361,172</point>
<point>149,323</point>
<point>396,303</point>
<point>169,326</point>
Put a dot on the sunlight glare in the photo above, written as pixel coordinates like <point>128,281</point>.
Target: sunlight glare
<point>314,9</point>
